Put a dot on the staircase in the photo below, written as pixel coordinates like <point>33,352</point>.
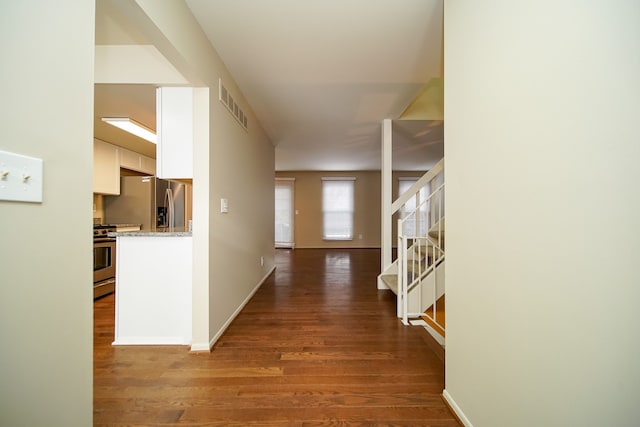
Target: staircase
<point>416,276</point>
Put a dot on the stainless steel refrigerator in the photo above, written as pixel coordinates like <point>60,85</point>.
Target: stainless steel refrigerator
<point>156,204</point>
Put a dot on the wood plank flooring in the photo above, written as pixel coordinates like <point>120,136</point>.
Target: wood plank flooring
<point>317,345</point>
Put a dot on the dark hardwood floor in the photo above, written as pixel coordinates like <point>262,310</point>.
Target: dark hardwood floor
<point>317,345</point>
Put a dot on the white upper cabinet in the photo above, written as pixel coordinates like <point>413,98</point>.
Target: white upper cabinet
<point>148,165</point>
<point>174,127</point>
<point>106,168</point>
<point>137,162</point>
<point>107,161</point>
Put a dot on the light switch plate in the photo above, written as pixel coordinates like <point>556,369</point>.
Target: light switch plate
<point>224,206</point>
<point>20,178</point>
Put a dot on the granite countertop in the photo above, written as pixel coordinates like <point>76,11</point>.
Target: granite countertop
<point>175,233</point>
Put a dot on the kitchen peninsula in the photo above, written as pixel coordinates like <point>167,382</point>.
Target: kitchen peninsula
<point>153,288</point>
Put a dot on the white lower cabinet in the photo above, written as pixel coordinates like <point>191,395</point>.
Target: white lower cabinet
<point>153,290</point>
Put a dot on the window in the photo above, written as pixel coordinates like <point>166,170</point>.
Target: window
<point>337,208</point>
<point>416,203</point>
<point>284,213</point>
<point>437,203</point>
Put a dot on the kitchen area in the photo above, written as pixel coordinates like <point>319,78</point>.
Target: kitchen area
<point>142,211</point>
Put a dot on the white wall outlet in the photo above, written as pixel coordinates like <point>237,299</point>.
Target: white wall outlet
<point>224,205</point>
<point>261,261</point>
<point>20,178</point>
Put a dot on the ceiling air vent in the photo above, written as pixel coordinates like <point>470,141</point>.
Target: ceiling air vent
<point>232,106</point>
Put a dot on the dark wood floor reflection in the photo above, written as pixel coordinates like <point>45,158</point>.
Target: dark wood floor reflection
<point>316,345</point>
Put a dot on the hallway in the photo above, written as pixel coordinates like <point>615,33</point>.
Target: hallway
<point>316,345</point>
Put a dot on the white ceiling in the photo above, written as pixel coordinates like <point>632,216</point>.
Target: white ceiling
<point>321,75</point>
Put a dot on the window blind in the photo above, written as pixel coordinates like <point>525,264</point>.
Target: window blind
<point>337,208</point>
<point>284,213</point>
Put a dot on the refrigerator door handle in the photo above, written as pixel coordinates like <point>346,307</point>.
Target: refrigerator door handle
<point>168,204</point>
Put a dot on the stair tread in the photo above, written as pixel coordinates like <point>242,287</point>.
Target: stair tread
<point>391,280</point>
<point>439,324</point>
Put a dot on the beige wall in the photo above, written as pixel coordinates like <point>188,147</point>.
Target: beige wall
<point>230,163</point>
<point>308,203</point>
<point>46,297</point>
<point>542,149</point>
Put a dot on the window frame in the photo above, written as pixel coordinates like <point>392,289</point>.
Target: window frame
<point>288,183</point>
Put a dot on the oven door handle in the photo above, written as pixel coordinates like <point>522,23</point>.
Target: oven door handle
<point>104,240</point>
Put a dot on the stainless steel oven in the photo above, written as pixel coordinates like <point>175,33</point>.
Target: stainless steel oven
<point>104,260</point>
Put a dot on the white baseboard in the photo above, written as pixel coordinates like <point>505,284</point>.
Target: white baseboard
<point>151,341</point>
<point>454,406</point>
<point>201,347</point>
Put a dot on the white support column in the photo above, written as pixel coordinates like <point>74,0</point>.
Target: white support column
<point>385,174</point>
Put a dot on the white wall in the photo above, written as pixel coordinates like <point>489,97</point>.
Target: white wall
<point>232,163</point>
<point>46,311</point>
<point>542,101</point>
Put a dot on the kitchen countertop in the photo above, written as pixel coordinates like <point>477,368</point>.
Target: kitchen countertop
<point>151,234</point>
<point>118,225</point>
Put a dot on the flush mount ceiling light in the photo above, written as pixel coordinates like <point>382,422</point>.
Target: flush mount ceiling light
<point>133,127</point>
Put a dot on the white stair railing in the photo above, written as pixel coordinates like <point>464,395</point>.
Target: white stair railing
<point>420,252</point>
<point>427,179</point>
